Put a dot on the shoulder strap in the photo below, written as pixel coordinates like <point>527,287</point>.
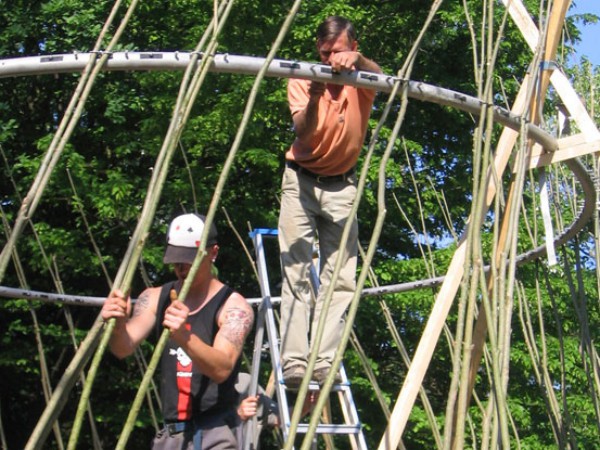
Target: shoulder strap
<point>163,304</point>
<point>219,299</point>
<point>223,294</point>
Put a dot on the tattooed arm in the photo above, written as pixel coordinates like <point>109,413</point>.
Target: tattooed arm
<point>235,321</point>
<point>130,331</point>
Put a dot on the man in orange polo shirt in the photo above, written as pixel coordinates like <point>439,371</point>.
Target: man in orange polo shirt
<point>318,189</point>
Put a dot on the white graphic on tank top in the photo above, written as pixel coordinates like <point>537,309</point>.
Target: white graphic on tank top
<point>184,361</point>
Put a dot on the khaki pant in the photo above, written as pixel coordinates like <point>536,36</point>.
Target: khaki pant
<point>311,210</point>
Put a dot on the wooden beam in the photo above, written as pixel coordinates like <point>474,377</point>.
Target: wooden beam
<point>569,147</point>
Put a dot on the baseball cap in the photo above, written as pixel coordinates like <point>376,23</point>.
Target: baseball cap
<point>183,238</point>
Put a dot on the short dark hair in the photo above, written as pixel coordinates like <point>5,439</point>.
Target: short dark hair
<point>333,26</point>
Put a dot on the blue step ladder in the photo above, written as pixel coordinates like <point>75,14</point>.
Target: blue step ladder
<point>351,425</point>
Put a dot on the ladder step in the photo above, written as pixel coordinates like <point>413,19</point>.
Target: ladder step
<point>313,386</point>
<point>331,429</point>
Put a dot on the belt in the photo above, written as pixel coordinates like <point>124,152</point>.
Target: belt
<point>320,178</point>
<point>206,419</point>
<point>179,427</point>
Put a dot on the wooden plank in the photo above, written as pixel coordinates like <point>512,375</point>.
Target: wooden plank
<point>574,105</point>
<point>571,147</point>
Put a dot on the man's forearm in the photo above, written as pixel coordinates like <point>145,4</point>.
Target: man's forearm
<point>305,121</point>
<point>367,65</point>
<point>121,345</point>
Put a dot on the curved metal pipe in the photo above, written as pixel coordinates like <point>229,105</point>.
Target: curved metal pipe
<point>250,65</point>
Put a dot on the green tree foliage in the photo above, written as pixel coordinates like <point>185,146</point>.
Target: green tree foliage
<point>102,177</point>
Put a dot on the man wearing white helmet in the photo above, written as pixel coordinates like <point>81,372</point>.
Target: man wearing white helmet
<point>200,363</point>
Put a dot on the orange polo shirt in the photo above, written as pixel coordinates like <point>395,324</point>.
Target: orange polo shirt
<point>341,128</point>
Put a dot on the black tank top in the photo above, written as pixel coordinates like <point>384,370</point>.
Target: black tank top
<point>185,392</point>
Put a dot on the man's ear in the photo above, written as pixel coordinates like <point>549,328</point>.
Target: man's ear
<point>214,251</point>
<point>354,46</point>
